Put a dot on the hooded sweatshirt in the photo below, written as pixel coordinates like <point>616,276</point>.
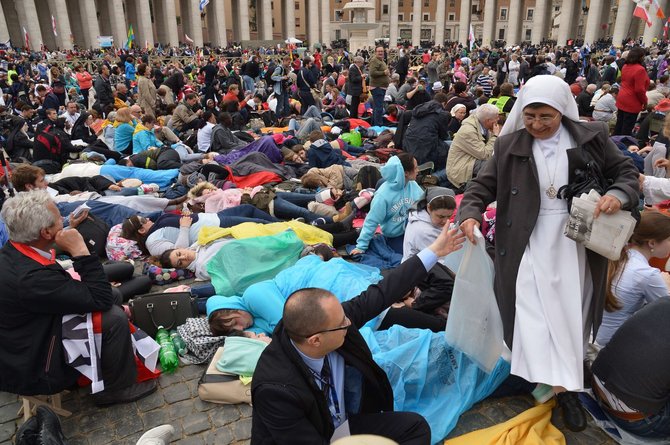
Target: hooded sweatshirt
<point>419,233</point>
<point>391,204</point>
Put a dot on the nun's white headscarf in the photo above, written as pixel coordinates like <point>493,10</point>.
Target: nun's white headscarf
<point>544,89</point>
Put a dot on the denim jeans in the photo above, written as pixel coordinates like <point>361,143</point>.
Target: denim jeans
<point>249,84</point>
<point>244,213</point>
<point>287,207</point>
<point>657,425</point>
<point>378,106</point>
<point>283,108</point>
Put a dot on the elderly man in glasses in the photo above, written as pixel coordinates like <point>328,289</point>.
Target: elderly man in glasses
<point>317,377</point>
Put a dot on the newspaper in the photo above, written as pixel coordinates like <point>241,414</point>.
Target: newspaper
<point>606,235</point>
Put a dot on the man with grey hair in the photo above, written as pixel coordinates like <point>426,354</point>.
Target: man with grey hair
<point>472,145</point>
<point>35,294</point>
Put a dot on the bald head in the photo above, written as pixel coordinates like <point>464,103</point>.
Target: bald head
<point>591,88</point>
<point>304,313</point>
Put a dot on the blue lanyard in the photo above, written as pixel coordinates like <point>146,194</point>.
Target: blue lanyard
<point>333,407</point>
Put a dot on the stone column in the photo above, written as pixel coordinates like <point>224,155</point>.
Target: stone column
<point>566,29</point>
<point>4,29</point>
<point>416,23</point>
<point>592,28</point>
<point>514,14</point>
<point>242,18</point>
<point>540,21</point>
<point>264,11</point>
<point>90,23</point>
<point>655,30</point>
<point>58,9</point>
<point>393,24</point>
<point>195,31</point>
<point>624,17</point>
<point>464,22</point>
<point>312,18</point>
<point>118,21</point>
<point>216,22</point>
<point>28,19</point>
<point>144,33</point>
<point>439,22</point>
<point>289,18</point>
<point>490,19</point>
<point>325,23</point>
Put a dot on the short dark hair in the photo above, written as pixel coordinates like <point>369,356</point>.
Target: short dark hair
<point>441,98</point>
<point>190,96</point>
<point>303,313</point>
<point>460,87</point>
<point>406,160</point>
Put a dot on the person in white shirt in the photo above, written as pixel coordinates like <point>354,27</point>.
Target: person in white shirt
<point>205,132</point>
<point>71,113</point>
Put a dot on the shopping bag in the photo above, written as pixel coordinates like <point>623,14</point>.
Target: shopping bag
<point>474,324</point>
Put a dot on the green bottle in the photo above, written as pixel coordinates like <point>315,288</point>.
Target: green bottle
<point>167,354</point>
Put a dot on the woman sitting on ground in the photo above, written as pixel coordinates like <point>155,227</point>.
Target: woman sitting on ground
<point>631,281</point>
<point>124,128</point>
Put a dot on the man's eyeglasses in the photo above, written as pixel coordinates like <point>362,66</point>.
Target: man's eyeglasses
<point>346,325</point>
<point>544,120</point>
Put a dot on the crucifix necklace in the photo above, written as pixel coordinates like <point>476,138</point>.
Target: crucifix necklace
<point>551,191</point>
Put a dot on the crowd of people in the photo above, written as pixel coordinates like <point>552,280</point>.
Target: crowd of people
<point>391,160</point>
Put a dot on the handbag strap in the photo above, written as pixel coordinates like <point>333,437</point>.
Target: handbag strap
<point>173,305</point>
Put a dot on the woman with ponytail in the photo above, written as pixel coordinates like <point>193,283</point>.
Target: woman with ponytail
<point>631,281</point>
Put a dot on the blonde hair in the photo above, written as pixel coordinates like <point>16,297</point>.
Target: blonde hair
<point>123,115</point>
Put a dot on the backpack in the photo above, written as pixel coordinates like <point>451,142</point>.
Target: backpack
<point>268,74</point>
<point>94,231</point>
<point>50,141</point>
<point>367,178</point>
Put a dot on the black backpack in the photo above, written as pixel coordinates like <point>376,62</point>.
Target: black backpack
<point>268,74</point>
<point>94,231</point>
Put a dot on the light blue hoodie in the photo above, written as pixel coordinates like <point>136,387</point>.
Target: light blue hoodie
<point>390,205</point>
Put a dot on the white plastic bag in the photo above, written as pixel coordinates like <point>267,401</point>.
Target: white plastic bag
<point>474,325</point>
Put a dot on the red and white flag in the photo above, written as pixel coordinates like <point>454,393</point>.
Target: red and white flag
<point>26,38</point>
<point>659,10</point>
<point>53,25</point>
<point>642,12</point>
<point>665,30</point>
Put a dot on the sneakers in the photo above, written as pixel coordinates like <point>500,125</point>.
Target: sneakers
<point>319,222</point>
<point>157,436</point>
<point>125,395</point>
<point>574,416</point>
<point>543,393</point>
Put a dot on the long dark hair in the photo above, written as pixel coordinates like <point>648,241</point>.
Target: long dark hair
<point>130,231</point>
<point>636,55</point>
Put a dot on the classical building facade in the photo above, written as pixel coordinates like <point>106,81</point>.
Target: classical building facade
<point>65,23</point>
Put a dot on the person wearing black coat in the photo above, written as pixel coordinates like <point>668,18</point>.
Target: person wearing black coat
<point>35,294</point>
<point>402,68</point>
<point>52,146</point>
<point>81,129</point>
<point>301,392</point>
<point>18,144</point>
<point>103,90</point>
<point>427,132</point>
<point>355,85</point>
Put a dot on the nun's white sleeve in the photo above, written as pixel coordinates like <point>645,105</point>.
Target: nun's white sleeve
<point>656,189</point>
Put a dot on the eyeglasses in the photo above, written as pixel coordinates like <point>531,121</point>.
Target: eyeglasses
<point>346,325</point>
<point>544,120</point>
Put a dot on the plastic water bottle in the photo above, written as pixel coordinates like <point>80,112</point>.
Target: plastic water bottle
<point>167,354</point>
<point>178,342</point>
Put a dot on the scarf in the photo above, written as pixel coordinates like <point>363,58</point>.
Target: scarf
<point>140,127</point>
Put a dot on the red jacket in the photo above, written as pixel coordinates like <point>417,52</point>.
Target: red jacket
<point>632,97</point>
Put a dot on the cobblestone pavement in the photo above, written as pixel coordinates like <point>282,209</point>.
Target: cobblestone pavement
<point>197,422</point>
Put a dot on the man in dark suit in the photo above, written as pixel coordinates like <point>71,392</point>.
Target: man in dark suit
<point>318,374</point>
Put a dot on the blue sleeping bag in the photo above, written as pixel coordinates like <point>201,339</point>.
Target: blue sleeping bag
<point>161,177</point>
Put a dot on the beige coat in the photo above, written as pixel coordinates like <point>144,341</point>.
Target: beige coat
<point>181,116</point>
<point>147,95</point>
<point>468,146</point>
<point>332,177</point>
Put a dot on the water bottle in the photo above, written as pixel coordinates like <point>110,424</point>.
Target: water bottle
<point>178,342</point>
<point>167,354</point>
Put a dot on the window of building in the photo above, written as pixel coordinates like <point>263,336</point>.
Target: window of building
<point>451,17</point>
<point>272,5</point>
<point>452,4</point>
<point>273,22</point>
<point>297,21</point>
<point>338,34</point>
<point>338,15</point>
<point>385,9</point>
<point>401,17</point>
<point>401,3</point>
<point>501,34</point>
<point>474,9</point>
<point>426,3</point>
<point>426,17</point>
<point>503,13</point>
<point>297,5</point>
<point>557,8</point>
<point>528,33</point>
<point>426,34</point>
<point>447,34</point>
<point>411,17</point>
<point>529,14</point>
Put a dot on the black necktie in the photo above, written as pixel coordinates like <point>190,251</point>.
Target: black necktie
<point>325,378</point>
